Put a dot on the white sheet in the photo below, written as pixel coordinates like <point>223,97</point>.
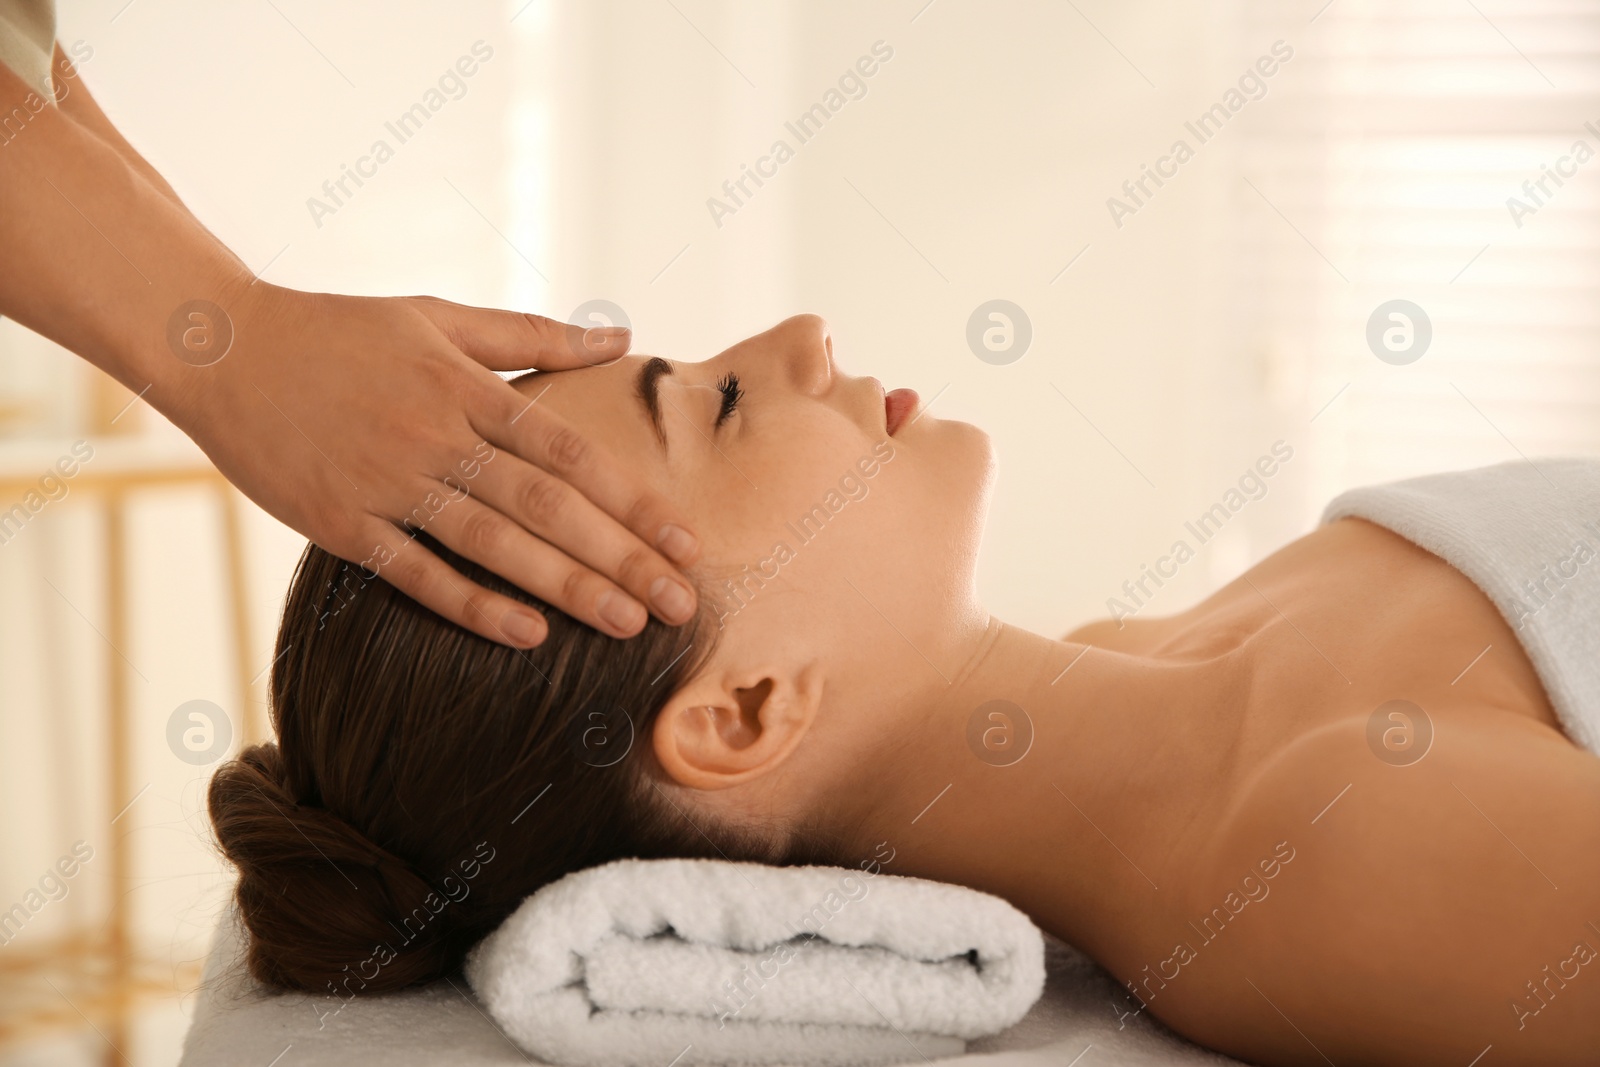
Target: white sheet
<point>237,1022</point>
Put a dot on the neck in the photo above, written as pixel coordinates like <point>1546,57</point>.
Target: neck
<point>1061,776</point>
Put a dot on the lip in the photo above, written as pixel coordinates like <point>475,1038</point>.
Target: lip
<point>898,405</point>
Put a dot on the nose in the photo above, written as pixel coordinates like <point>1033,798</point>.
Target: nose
<point>804,347</point>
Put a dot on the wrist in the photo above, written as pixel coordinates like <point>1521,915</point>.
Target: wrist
<point>165,259</point>
<point>138,324</point>
<point>205,348</point>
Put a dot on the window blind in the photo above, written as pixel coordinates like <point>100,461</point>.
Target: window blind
<point>1445,152</point>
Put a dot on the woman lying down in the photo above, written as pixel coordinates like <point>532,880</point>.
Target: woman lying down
<point>1420,909</point>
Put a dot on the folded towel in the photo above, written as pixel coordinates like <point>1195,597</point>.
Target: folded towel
<point>657,962</point>
<point>1528,534</point>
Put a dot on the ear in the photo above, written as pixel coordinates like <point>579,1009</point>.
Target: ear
<point>728,727</point>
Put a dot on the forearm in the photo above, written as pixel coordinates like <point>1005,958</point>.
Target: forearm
<point>98,258</point>
<point>76,102</point>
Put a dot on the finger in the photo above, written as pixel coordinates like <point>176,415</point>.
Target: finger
<point>436,585</point>
<point>546,440</point>
<point>515,340</point>
<point>551,509</point>
<point>487,537</point>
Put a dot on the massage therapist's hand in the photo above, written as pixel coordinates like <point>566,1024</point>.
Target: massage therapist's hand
<point>346,417</point>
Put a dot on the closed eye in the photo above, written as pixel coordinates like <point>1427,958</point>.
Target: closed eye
<point>728,386</point>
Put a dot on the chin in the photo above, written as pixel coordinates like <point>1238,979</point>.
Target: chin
<point>971,457</point>
<point>956,468</point>
<point>964,465</point>
<point>986,467</point>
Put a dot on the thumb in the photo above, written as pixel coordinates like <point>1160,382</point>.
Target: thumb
<point>515,340</point>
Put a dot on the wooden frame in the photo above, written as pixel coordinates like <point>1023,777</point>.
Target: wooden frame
<point>108,973</point>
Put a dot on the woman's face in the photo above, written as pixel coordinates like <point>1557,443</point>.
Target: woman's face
<point>817,525</point>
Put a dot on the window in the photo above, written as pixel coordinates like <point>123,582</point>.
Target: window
<point>1446,152</point>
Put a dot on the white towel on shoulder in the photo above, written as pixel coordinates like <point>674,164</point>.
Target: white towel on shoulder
<point>1528,534</point>
<point>650,962</point>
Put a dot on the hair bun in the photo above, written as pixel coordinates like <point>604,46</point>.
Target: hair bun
<point>327,909</point>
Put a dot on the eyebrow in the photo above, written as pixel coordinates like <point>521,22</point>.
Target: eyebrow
<point>646,386</point>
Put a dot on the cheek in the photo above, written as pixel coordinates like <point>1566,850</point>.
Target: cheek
<point>801,552</point>
<point>906,538</point>
<point>800,477</point>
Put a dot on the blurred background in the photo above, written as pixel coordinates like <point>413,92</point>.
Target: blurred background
<point>1159,334</point>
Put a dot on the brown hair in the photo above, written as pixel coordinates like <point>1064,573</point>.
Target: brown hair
<point>425,781</point>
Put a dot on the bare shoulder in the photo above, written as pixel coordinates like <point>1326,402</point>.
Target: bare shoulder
<point>1361,906</point>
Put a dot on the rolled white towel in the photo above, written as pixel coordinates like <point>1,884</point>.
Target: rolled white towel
<point>642,963</point>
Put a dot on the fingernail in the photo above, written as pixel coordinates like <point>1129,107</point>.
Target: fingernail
<point>526,630</point>
<point>603,337</point>
<point>672,601</point>
<point>621,613</point>
<point>678,544</point>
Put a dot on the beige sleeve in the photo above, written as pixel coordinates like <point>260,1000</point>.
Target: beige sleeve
<point>27,39</point>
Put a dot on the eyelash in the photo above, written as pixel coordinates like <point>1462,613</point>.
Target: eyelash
<point>728,386</point>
